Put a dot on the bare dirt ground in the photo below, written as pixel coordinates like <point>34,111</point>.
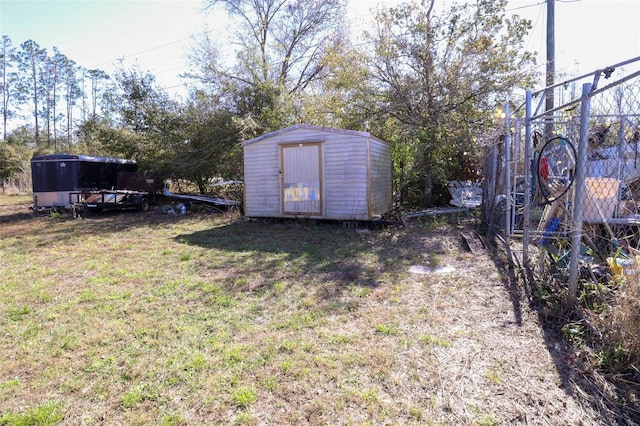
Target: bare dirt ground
<point>502,358</point>
<point>489,359</point>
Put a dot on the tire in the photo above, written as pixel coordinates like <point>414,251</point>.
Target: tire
<point>143,206</point>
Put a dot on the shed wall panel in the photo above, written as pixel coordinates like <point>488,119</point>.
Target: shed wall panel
<point>381,178</point>
<point>262,180</point>
<point>346,178</point>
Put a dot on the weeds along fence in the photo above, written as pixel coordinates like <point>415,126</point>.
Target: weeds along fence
<point>567,179</point>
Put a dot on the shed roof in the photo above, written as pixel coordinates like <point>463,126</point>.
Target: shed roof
<point>315,128</point>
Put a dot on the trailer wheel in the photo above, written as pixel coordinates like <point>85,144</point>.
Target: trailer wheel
<point>143,206</point>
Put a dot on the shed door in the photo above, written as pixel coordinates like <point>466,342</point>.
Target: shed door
<point>301,179</point>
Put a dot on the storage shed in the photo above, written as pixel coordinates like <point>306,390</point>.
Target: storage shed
<point>317,172</point>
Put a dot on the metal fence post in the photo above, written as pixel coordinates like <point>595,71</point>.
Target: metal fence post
<point>527,180</point>
<point>578,200</point>
<point>492,184</point>
<point>507,172</point>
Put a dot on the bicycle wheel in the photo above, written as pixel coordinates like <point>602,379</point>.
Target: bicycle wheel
<point>555,169</point>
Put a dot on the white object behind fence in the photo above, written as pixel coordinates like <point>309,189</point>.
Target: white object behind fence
<point>601,199</point>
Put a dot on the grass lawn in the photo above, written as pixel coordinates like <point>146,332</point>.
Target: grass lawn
<point>144,318</point>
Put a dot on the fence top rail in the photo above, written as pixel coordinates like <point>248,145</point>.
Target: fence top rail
<point>606,71</point>
<point>594,91</point>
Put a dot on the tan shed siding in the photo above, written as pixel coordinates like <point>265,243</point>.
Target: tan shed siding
<point>299,135</point>
<point>262,186</point>
<point>380,169</point>
<point>345,177</point>
<point>355,172</point>
<point>262,179</point>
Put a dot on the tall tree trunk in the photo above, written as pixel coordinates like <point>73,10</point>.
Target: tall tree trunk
<point>34,77</point>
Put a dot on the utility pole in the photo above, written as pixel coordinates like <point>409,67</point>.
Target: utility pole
<point>551,53</point>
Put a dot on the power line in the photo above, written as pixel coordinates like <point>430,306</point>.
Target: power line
<point>535,24</point>
<point>525,6</point>
<point>222,27</point>
<point>151,49</point>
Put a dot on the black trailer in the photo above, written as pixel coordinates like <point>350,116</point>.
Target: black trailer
<point>63,180</point>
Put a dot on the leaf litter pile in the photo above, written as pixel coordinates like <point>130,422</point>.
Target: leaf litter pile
<point>130,318</point>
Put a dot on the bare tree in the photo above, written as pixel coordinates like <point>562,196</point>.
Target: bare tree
<point>282,47</point>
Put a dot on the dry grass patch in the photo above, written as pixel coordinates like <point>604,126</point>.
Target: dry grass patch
<point>130,318</point>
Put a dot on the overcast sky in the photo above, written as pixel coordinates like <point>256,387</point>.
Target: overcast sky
<point>156,34</point>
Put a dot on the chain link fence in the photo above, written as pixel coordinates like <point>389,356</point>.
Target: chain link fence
<point>567,180</point>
